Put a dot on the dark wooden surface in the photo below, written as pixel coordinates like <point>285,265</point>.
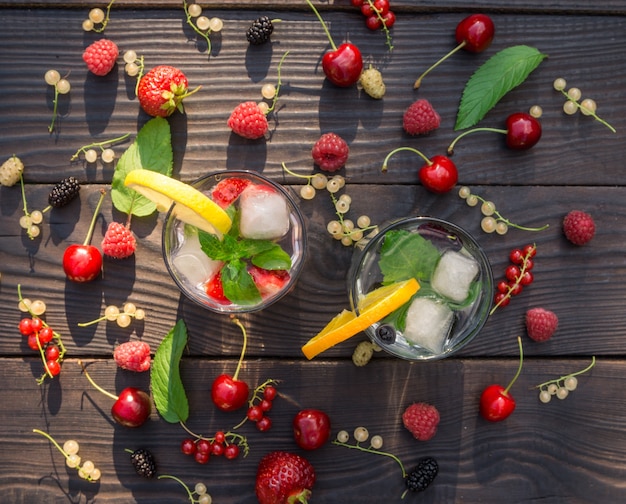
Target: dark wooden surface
<point>570,451</point>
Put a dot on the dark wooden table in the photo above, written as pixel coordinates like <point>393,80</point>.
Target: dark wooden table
<point>570,451</point>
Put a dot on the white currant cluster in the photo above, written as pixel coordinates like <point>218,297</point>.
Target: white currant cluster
<point>573,102</point>
<point>86,468</point>
<point>201,24</point>
<point>199,494</point>
<point>62,86</point>
<point>122,318</point>
<point>30,221</point>
<point>107,154</point>
<point>133,65</point>
<point>492,221</point>
<point>561,387</point>
<point>36,307</point>
<point>360,435</point>
<point>97,19</point>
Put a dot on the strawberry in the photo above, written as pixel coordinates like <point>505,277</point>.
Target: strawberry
<point>118,241</point>
<point>161,91</point>
<point>579,227</point>
<point>421,419</point>
<point>228,190</point>
<point>268,282</point>
<point>284,478</point>
<point>215,289</point>
<point>330,152</point>
<point>101,56</point>
<point>248,121</point>
<point>133,355</point>
<point>541,324</point>
<point>420,118</point>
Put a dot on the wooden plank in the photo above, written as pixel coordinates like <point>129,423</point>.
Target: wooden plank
<point>559,452</point>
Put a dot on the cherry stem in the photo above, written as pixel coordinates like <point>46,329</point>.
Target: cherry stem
<point>99,144</point>
<point>593,363</point>
<point>278,83</point>
<point>418,82</point>
<point>315,11</point>
<point>93,219</point>
<point>384,168</point>
<point>95,385</point>
<point>243,348</point>
<point>519,368</point>
<point>372,450</point>
<point>493,130</point>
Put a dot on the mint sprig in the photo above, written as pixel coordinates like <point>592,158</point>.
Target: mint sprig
<point>405,255</point>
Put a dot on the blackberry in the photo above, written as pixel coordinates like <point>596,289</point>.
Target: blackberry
<point>423,475</point>
<point>260,31</point>
<point>143,462</point>
<point>64,192</point>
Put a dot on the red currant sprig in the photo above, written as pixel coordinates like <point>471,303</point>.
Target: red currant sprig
<point>517,275</point>
<point>229,444</point>
<point>41,338</point>
<point>378,15</point>
<point>259,405</point>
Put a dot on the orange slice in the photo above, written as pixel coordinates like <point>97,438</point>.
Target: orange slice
<point>192,206</point>
<point>372,307</point>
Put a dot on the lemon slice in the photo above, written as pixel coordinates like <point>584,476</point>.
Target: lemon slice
<point>192,206</point>
<point>372,307</point>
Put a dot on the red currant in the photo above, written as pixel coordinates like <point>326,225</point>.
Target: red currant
<point>201,457</point>
<point>33,342</point>
<point>203,446</point>
<point>265,405</point>
<point>529,250</point>
<point>52,352</point>
<point>270,393</point>
<point>515,289</point>
<point>54,368</point>
<point>220,437</point>
<point>501,299</point>
<point>264,424</point>
<point>516,256</point>
<point>356,3</point>
<point>503,286</point>
<point>373,22</point>
<point>188,446</point>
<point>217,449</point>
<point>512,272</point>
<point>389,19</point>
<point>382,6</point>
<point>26,327</point>
<point>255,413</point>
<point>36,324</point>
<point>527,278</point>
<point>231,451</point>
<point>45,335</point>
<point>528,264</point>
<point>367,10</point>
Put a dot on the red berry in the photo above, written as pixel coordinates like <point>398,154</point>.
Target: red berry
<point>201,457</point>
<point>367,10</point>
<point>220,437</point>
<point>270,393</point>
<point>188,446</point>
<point>265,405</point>
<point>389,19</point>
<point>529,264</point>
<point>421,420</point>
<point>541,324</point>
<point>133,356</point>
<point>119,241</point>
<point>231,452</point>
<point>356,3</point>
<point>503,286</point>
<point>36,324</point>
<point>203,446</point>
<point>264,424</point>
<point>515,288</point>
<point>343,66</point>
<point>439,175</point>
<point>215,289</point>
<point>523,131</point>
<point>527,278</point>
<point>268,282</point>
<point>217,449</point>
<point>101,56</point>
<point>45,335</point>
<point>52,352</point>
<point>420,118</point>
<point>248,121</point>
<point>228,393</point>
<point>53,367</point>
<point>579,227</point>
<point>330,152</point>
<point>476,32</point>
<point>516,256</point>
<point>501,299</point>
<point>226,191</point>
<point>311,429</point>
<point>33,342</point>
<point>26,326</point>
<point>255,413</point>
<point>162,90</point>
<point>373,22</point>
<point>382,6</point>
<point>284,477</point>
<point>512,272</point>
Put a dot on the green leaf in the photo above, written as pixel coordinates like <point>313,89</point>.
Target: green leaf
<point>405,255</point>
<point>274,258</point>
<point>151,150</point>
<point>238,285</point>
<point>500,74</point>
<point>167,387</point>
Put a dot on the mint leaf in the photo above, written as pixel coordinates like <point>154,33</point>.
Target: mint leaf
<point>405,255</point>
<point>274,258</point>
<point>167,387</point>
<point>500,74</point>
<point>151,150</point>
<point>238,285</point>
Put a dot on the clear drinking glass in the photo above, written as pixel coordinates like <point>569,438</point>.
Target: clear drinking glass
<point>191,269</point>
<point>458,321</point>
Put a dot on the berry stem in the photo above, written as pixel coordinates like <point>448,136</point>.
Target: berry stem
<point>308,177</point>
<point>383,24</point>
<point>105,21</point>
<point>243,347</point>
<point>593,363</point>
<point>384,168</point>
<point>168,476</point>
<point>99,144</point>
<point>493,130</point>
<point>519,368</point>
<point>418,82</point>
<point>95,385</point>
<point>55,106</point>
<point>315,11</point>
<point>587,111</point>
<point>372,450</point>
<point>278,83</point>
<point>93,219</point>
<point>204,35</point>
<point>508,222</point>
<point>517,280</point>
<point>53,441</point>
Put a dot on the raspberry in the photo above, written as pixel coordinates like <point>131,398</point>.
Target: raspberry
<point>10,171</point>
<point>330,152</point>
<point>248,121</point>
<point>133,356</point>
<point>421,419</point>
<point>541,324</point>
<point>143,462</point>
<point>101,56</point>
<point>371,81</point>
<point>423,475</point>
<point>260,31</point>
<point>64,192</point>
<point>579,227</point>
<point>420,118</point>
<point>118,241</point>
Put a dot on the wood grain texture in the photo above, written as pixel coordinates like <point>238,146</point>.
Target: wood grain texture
<point>569,451</point>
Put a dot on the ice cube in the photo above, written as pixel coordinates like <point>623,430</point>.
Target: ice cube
<point>454,274</point>
<point>192,263</point>
<point>428,323</point>
<point>264,213</point>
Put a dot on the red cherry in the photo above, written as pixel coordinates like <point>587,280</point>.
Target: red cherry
<point>496,402</point>
<point>439,175</point>
<point>343,66</point>
<point>311,429</point>
<point>83,263</point>
<point>523,131</point>
<point>229,394</point>
<point>475,32</point>
<point>132,408</point>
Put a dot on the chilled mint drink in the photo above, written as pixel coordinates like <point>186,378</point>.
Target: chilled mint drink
<point>455,292</point>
